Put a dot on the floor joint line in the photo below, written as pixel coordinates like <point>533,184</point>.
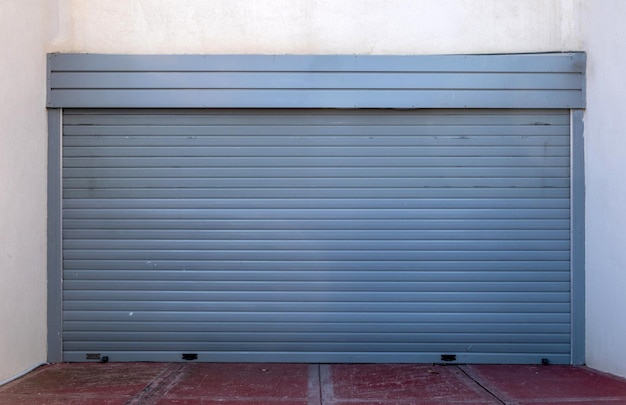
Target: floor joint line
<point>481,385</point>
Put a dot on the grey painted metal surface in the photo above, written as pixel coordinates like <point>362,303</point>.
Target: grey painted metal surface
<point>260,81</point>
<point>54,238</point>
<point>578,237</point>
<point>317,235</point>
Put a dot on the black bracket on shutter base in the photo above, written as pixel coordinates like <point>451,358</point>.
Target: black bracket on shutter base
<point>190,356</point>
<point>448,357</point>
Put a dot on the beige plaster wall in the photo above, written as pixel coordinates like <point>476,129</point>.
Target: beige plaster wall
<point>23,136</point>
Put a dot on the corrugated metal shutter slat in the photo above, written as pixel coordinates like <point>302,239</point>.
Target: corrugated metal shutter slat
<point>316,235</point>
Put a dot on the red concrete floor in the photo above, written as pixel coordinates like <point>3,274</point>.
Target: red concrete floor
<point>291,384</point>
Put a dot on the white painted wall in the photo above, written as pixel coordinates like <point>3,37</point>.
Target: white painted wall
<point>23,137</point>
<point>318,26</point>
<point>605,141</point>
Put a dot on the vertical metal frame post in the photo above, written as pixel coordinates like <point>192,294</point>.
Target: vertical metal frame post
<point>54,237</point>
<point>577,199</point>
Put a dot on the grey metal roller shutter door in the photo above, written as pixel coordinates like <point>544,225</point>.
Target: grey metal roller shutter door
<point>316,235</point>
